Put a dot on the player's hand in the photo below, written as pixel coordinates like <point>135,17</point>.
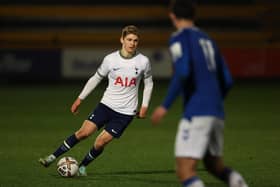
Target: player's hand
<point>142,113</point>
<point>75,106</point>
<point>158,114</point>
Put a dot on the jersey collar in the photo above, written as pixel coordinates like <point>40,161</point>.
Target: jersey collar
<point>136,52</point>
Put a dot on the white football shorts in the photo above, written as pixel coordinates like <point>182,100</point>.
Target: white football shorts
<point>195,137</point>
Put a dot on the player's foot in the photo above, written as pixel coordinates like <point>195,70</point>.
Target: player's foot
<point>82,171</point>
<point>236,180</point>
<point>47,160</point>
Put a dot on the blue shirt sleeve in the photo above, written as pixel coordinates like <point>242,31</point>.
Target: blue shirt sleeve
<point>174,90</point>
<point>181,63</point>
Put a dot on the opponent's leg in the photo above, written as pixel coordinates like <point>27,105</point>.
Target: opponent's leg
<point>236,180</point>
<point>190,145</point>
<point>186,172</point>
<point>213,159</point>
<point>216,167</point>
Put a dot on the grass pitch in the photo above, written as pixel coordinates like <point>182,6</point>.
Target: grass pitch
<point>35,119</point>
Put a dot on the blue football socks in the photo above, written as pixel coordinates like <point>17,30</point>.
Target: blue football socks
<point>67,145</point>
<point>92,154</point>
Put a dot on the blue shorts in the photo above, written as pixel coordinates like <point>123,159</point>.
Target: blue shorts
<point>113,122</point>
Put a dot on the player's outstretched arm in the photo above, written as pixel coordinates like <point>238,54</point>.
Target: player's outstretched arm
<point>90,85</point>
<point>75,106</point>
<point>158,114</point>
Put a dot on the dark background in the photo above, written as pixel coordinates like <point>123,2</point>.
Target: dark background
<point>48,50</point>
<point>247,32</point>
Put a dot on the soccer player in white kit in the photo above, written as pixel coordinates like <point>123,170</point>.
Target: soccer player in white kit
<point>124,69</point>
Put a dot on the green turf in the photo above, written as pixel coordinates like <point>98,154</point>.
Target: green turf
<point>35,119</point>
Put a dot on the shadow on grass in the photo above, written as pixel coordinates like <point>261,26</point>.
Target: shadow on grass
<point>136,177</point>
<point>146,172</point>
<point>144,176</point>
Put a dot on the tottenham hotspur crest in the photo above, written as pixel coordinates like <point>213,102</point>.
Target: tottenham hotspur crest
<point>136,70</point>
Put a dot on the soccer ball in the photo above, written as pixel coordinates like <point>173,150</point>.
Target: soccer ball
<point>67,166</point>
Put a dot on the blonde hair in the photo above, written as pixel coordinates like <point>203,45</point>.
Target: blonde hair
<point>130,29</point>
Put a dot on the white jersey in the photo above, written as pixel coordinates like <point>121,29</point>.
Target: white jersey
<point>124,77</point>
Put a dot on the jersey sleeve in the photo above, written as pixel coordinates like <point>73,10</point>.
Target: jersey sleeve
<point>147,70</point>
<point>104,68</point>
<point>174,89</point>
<point>101,72</point>
<point>181,70</point>
<point>148,88</point>
<point>148,84</point>
<point>180,54</point>
<point>90,85</point>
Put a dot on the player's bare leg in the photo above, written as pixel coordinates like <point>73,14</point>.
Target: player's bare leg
<point>186,172</point>
<point>87,129</point>
<point>103,139</point>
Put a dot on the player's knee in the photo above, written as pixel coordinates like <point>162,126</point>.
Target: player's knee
<point>99,143</point>
<point>82,134</point>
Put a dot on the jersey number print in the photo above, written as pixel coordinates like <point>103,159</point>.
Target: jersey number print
<point>208,52</point>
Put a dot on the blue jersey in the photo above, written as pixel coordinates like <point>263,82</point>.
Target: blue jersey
<point>200,74</point>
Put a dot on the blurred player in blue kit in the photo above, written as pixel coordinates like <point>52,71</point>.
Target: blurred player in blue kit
<point>124,69</point>
<point>202,78</point>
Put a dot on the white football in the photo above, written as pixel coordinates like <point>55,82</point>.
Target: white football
<point>67,166</point>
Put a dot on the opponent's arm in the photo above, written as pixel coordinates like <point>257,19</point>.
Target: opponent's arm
<point>173,91</point>
<point>181,71</point>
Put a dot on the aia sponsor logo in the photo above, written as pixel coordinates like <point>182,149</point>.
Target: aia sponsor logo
<point>126,82</point>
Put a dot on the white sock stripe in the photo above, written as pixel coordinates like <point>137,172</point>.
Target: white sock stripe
<point>68,147</point>
<point>90,156</point>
